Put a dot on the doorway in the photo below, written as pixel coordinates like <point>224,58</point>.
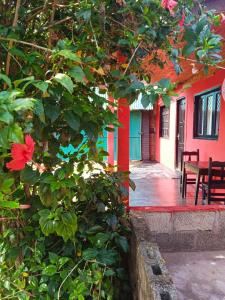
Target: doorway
<point>181,104</point>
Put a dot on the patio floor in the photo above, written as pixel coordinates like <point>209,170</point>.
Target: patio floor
<point>157,185</point>
<point>198,275</point>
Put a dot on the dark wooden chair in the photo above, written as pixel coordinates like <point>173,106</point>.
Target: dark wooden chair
<point>214,189</point>
<point>187,177</point>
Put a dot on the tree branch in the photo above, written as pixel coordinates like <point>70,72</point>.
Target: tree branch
<point>26,43</point>
<point>136,49</point>
<point>58,22</point>
<point>8,59</point>
<point>51,21</point>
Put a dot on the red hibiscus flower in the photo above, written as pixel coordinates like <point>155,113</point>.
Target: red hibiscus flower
<point>21,154</point>
<point>170,5</point>
<point>182,20</point>
<point>119,57</point>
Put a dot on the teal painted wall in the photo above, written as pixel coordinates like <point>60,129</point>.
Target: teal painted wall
<point>135,138</point>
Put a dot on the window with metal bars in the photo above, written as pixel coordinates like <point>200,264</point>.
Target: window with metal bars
<point>164,122</point>
<point>207,115</point>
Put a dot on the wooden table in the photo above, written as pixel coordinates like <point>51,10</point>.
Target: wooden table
<point>200,168</point>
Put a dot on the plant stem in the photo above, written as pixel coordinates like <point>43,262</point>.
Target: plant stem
<point>26,43</point>
<point>58,22</point>
<point>68,275</point>
<point>51,21</point>
<point>138,46</point>
<point>15,20</point>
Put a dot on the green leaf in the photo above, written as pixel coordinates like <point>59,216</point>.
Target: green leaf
<point>17,52</point>
<point>41,85</point>
<point>84,14</point>
<point>94,229</point>
<point>123,243</point>
<point>6,79</point>
<point>148,99</point>
<point>165,83</point>
<point>4,133</point>
<point>9,204</point>
<point>29,176</point>
<point>39,110</point>
<point>6,95</point>
<point>54,258</point>
<point>77,73</point>
<point>109,273</point>
<point>62,261</point>
<point>52,112</point>
<point>201,53</point>
<point>69,55</point>
<point>6,117</point>
<point>166,100</point>
<point>65,81</point>
<point>47,226</point>
<point>70,219</point>
<point>66,232</point>
<point>90,253</point>
<point>23,104</point>
<point>50,270</point>
<point>72,120</point>
<point>6,184</point>
<point>100,239</point>
<point>107,256</point>
<point>15,133</point>
<point>188,49</point>
<point>19,81</point>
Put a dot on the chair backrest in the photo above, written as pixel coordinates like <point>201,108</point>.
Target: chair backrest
<point>189,156</point>
<point>216,171</point>
<point>216,180</point>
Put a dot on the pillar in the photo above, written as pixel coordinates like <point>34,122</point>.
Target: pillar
<point>110,139</point>
<point>123,140</point>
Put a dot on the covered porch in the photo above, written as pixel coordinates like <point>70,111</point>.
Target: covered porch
<point>157,185</point>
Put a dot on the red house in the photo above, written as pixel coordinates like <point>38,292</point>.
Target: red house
<point>194,120</point>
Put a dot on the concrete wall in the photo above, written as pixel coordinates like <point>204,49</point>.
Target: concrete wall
<point>149,276</point>
<point>185,230</point>
<point>166,147</point>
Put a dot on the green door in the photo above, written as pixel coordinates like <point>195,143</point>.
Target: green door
<point>135,136</point>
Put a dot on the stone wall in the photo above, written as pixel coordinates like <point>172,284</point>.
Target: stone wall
<point>149,276</point>
<point>186,230</point>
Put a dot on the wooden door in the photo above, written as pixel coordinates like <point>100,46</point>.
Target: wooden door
<point>180,130</point>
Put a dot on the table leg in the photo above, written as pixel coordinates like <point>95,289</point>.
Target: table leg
<point>183,183</point>
<point>197,188</point>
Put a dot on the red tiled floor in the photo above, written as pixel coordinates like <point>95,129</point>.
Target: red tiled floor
<point>158,186</point>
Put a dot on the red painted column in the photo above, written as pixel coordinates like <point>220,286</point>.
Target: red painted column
<point>123,140</point>
<point>110,139</point>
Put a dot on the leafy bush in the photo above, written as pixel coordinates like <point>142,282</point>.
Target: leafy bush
<point>82,253</point>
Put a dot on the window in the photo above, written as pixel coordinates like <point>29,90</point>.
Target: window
<point>207,115</point>
<point>164,122</point>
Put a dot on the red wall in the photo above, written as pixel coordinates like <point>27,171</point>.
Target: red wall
<point>166,148</point>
